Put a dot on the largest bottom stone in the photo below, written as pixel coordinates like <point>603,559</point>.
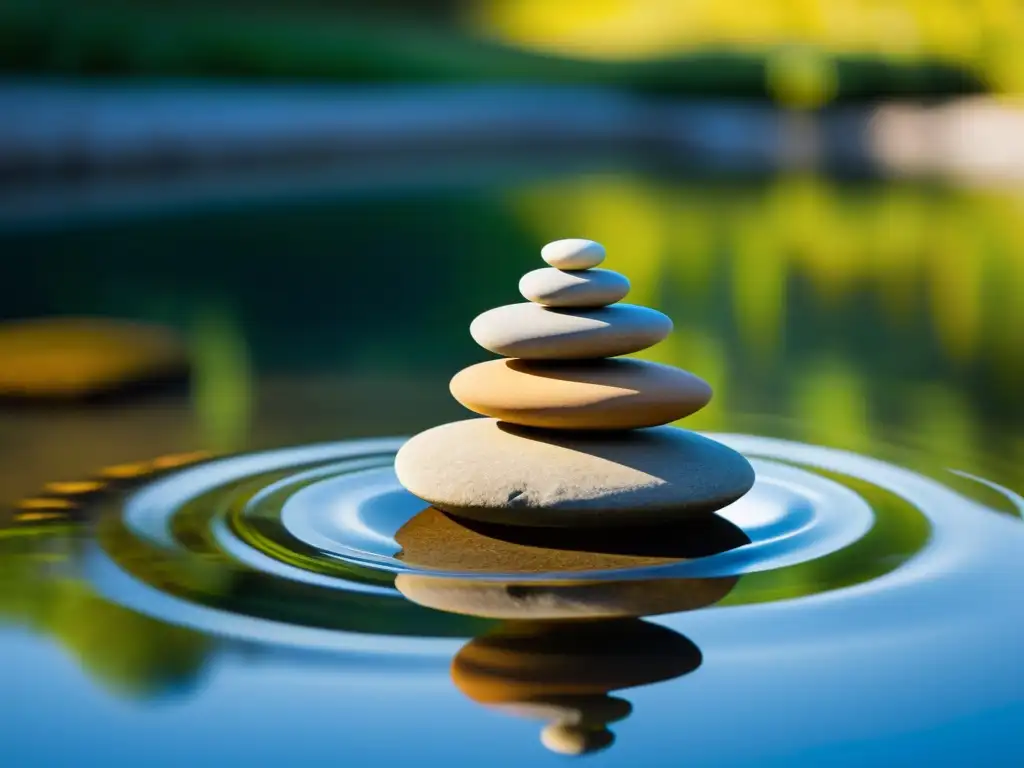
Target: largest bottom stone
<point>489,470</point>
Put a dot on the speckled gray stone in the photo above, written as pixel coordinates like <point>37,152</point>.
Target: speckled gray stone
<point>487,470</point>
<point>586,288</point>
<point>533,332</point>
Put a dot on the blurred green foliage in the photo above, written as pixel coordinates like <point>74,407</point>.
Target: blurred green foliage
<point>803,41</point>
<point>859,315</point>
<point>365,44</point>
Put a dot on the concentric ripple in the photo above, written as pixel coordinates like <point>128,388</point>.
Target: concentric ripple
<point>224,545</point>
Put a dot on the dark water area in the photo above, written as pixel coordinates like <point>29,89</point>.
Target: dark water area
<point>262,593</point>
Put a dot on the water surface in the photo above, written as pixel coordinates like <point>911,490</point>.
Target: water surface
<point>863,339</point>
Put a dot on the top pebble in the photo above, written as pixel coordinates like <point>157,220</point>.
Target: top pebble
<point>573,254</point>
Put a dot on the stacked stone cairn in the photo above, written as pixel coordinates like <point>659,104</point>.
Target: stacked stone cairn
<point>574,435</point>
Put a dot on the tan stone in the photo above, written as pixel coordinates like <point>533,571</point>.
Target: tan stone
<point>496,472</point>
<point>595,394</point>
<point>534,332</point>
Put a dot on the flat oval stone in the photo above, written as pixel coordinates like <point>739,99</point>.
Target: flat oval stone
<point>591,394</point>
<point>488,470</point>
<point>587,288</point>
<point>533,332</point>
<point>573,253</point>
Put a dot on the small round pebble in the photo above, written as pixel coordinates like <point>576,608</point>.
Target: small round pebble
<point>573,253</point>
<point>587,288</point>
<point>533,332</point>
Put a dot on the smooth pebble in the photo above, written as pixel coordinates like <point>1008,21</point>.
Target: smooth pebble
<point>588,288</point>
<point>593,394</point>
<point>530,331</point>
<point>573,253</point>
<point>495,472</point>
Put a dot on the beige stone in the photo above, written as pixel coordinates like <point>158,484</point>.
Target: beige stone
<point>573,253</point>
<point>593,394</point>
<point>586,288</point>
<point>531,331</point>
<point>502,473</point>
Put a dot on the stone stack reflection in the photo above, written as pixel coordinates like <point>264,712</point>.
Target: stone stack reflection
<point>563,672</point>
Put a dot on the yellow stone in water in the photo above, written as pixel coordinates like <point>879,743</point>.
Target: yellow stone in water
<point>128,471</point>
<point>176,460</point>
<point>593,394</point>
<point>74,487</point>
<point>78,357</point>
<point>46,504</point>
<point>38,517</point>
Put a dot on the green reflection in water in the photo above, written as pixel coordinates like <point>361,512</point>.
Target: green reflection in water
<point>898,533</point>
<point>128,653</point>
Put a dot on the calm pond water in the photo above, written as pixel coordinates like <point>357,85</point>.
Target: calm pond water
<point>864,339</point>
